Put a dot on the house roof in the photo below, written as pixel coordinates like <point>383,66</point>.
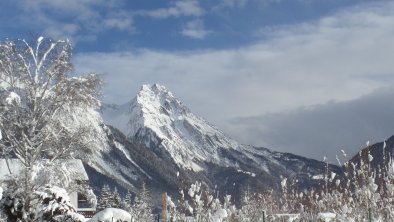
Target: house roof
<point>74,167</point>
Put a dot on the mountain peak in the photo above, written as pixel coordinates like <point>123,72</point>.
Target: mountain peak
<point>158,100</point>
<point>155,89</point>
<point>160,118</point>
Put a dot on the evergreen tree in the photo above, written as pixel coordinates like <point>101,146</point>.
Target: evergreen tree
<point>105,198</point>
<point>142,208</point>
<point>116,201</point>
<point>127,201</point>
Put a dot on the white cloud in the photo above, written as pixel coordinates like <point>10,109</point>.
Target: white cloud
<point>73,6</point>
<point>177,9</point>
<point>121,20</point>
<point>195,29</point>
<point>232,3</point>
<point>92,16</point>
<point>58,32</point>
<point>340,58</point>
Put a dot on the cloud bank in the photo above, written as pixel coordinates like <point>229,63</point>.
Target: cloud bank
<point>322,130</point>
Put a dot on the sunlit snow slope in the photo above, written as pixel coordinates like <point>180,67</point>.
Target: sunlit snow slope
<point>156,115</point>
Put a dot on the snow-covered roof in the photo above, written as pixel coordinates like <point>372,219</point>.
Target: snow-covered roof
<point>73,166</point>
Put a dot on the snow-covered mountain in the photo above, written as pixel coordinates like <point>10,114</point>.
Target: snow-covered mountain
<point>157,119</point>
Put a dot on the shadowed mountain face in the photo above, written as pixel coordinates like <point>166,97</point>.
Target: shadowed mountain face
<point>378,155</point>
<point>169,147</point>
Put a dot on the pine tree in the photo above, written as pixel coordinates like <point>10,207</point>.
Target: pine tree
<point>142,208</point>
<point>105,198</point>
<point>127,201</point>
<point>116,201</point>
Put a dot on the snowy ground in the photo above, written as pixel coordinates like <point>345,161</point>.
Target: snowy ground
<point>111,214</point>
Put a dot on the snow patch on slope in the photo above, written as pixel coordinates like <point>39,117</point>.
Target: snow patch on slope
<point>127,155</point>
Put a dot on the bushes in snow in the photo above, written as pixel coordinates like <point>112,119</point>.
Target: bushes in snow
<point>200,204</point>
<point>364,188</point>
<point>54,205</point>
<point>49,204</point>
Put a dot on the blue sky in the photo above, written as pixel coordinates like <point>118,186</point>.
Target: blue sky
<point>309,77</point>
<point>104,26</point>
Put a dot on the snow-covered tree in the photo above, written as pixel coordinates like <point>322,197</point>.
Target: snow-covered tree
<point>203,206</point>
<point>252,207</point>
<point>35,90</point>
<point>104,200</point>
<point>37,95</point>
<point>127,202</point>
<point>53,204</point>
<point>49,204</point>
<point>109,199</point>
<point>116,200</point>
<point>142,210</point>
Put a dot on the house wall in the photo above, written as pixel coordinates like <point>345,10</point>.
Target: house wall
<point>74,199</point>
<point>85,211</point>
